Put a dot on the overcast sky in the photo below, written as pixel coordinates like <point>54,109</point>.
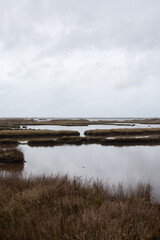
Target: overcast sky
<point>79,58</point>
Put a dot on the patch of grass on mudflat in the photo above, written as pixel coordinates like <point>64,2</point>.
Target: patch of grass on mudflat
<point>11,156</point>
<point>122,132</point>
<point>60,208</point>
<point>22,134</point>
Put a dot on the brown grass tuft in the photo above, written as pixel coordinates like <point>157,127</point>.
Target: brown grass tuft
<point>60,208</point>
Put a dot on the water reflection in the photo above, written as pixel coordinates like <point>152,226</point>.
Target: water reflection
<point>12,168</point>
<point>128,165</point>
<point>110,164</point>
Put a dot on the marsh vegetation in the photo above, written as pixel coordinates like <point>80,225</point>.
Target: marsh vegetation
<point>9,123</point>
<point>11,156</point>
<point>106,137</point>
<point>60,208</point>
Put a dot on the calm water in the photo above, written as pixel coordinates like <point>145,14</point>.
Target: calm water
<point>82,129</point>
<point>127,165</point>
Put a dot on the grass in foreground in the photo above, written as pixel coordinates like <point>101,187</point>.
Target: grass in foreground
<point>59,208</point>
<point>11,156</point>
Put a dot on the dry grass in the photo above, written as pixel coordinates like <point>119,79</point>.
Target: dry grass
<point>62,209</point>
<point>27,134</point>
<point>11,156</point>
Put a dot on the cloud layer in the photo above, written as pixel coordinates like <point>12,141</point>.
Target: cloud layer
<point>79,58</point>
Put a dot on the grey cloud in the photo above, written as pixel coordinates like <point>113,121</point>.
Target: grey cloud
<point>82,58</point>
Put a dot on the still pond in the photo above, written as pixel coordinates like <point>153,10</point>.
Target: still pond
<point>126,165</point>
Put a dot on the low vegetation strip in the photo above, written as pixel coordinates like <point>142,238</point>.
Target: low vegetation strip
<point>62,122</point>
<point>22,134</point>
<point>60,208</point>
<point>121,141</point>
<point>11,156</point>
<point>15,122</point>
<point>132,141</point>
<point>62,141</point>
<point>122,132</point>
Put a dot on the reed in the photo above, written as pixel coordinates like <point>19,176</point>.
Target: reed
<point>57,208</point>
